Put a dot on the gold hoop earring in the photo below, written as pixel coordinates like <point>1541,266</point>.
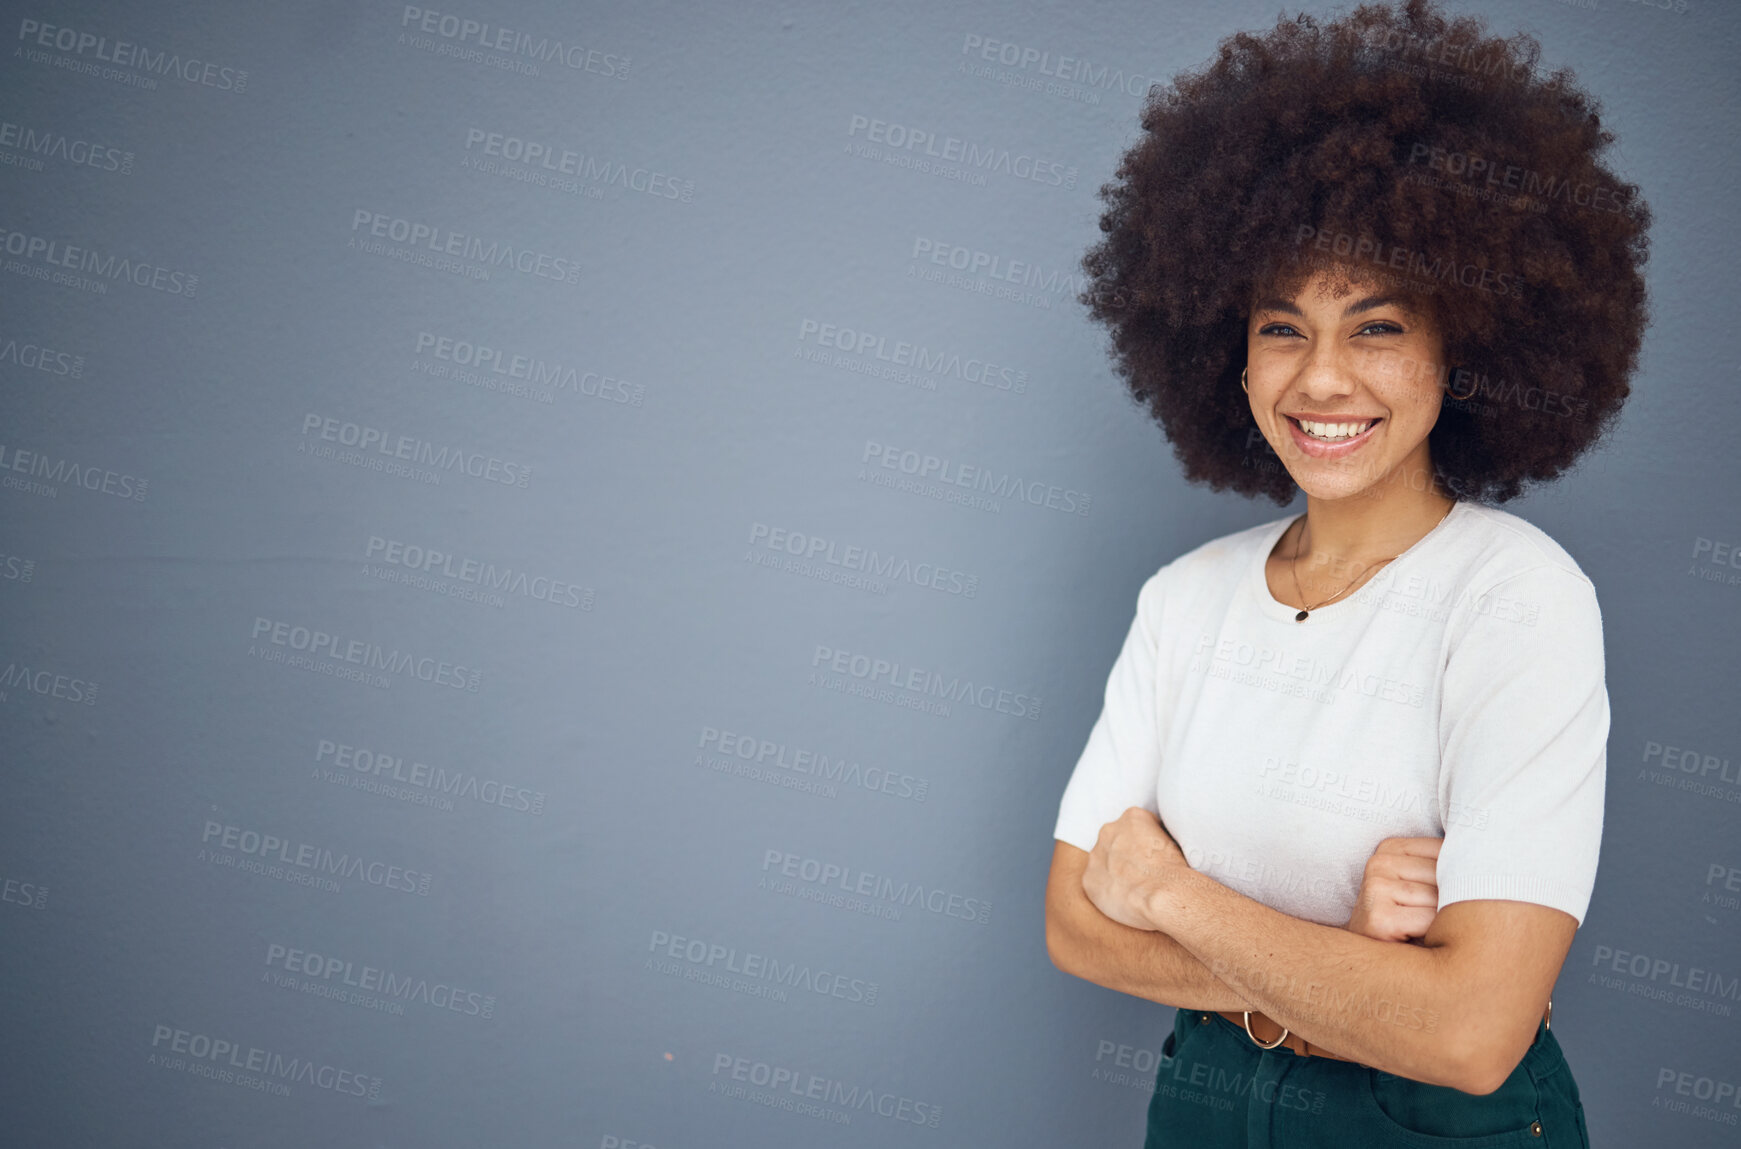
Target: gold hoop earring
<point>1472,390</point>
<point>1243,386</point>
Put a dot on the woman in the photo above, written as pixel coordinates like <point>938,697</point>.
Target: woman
<point>1343,804</point>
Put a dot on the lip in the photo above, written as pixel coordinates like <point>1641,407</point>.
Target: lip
<point>1317,450</point>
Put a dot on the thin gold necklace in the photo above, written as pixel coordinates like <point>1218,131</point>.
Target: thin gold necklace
<point>1294,565</point>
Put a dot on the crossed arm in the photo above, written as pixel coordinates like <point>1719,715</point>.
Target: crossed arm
<point>1458,1009</point>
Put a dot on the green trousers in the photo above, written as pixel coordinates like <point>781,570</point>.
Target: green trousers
<point>1216,1089</point>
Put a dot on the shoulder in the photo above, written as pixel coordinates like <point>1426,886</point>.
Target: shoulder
<point>1496,546</point>
<point>1513,571</point>
<point>1211,565</point>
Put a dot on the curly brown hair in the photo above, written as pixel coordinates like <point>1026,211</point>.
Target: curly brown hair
<point>1404,148</point>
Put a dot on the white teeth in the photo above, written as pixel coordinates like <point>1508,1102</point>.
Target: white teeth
<point>1334,431</point>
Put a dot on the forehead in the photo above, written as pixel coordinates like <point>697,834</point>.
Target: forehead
<point>1338,289</point>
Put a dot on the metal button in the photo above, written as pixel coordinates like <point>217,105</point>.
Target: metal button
<point>1204,1020</point>
<point>1535,1127</point>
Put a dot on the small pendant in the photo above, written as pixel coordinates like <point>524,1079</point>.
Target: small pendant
<point>1301,617</point>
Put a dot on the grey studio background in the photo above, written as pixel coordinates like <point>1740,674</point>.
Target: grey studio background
<point>447,691</point>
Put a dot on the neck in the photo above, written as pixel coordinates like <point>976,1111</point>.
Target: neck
<point>1378,523</point>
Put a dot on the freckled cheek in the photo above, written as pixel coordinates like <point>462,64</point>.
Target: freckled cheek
<point>1408,404</point>
<point>1405,435</point>
<point>1404,368</point>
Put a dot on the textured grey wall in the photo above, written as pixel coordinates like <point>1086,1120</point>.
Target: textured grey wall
<point>435,554</point>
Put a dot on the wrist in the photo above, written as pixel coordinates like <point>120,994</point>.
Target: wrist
<point>1161,897</point>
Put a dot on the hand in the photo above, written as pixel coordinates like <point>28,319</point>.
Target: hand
<point>1399,893</point>
<point>1132,857</point>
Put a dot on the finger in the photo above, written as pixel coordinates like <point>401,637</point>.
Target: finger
<point>1408,894</point>
<point>1413,847</point>
<point>1412,923</point>
<point>1398,923</point>
<point>1410,868</point>
<point>1397,868</point>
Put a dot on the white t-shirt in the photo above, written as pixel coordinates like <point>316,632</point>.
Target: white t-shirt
<point>1459,692</point>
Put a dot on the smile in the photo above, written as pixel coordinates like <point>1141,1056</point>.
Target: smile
<point>1325,439</point>
<point>1333,432</point>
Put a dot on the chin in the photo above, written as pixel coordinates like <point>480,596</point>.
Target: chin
<point>1328,489</point>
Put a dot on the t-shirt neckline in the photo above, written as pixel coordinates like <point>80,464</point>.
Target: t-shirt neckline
<point>1259,585</point>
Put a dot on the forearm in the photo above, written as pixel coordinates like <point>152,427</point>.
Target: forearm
<point>1393,1007</point>
<point>1144,963</point>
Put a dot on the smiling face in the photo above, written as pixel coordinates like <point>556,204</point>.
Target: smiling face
<point>1345,383</point>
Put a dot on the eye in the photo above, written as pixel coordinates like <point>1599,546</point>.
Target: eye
<point>1383,327</point>
<point>1277,329</point>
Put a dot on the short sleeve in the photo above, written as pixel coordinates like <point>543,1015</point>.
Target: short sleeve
<point>1120,765</point>
<point>1524,744</point>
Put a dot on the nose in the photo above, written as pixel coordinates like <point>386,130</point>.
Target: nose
<point>1326,375</point>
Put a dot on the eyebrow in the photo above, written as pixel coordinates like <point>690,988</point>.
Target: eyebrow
<point>1370,303</point>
